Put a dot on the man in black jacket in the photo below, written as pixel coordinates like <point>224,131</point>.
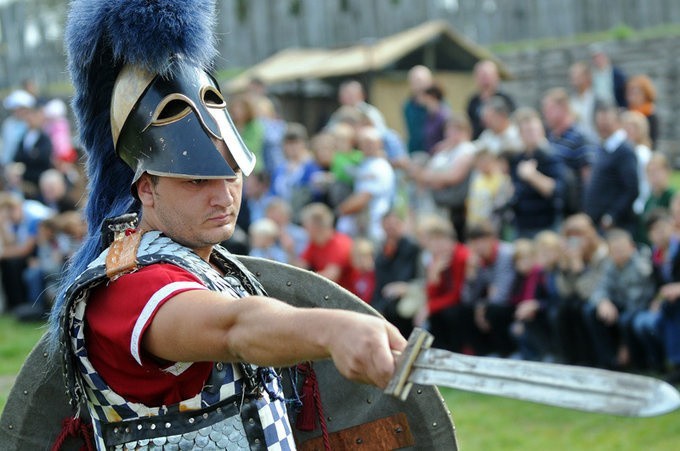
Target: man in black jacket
<point>613,185</point>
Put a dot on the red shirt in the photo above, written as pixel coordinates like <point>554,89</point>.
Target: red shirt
<point>362,284</point>
<point>118,314</point>
<point>336,251</point>
<point>448,291</point>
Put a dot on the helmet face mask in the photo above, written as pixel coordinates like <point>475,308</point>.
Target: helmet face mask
<point>168,126</point>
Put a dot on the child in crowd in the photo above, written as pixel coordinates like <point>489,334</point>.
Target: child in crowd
<point>445,279</point>
<point>488,190</point>
<point>343,165</point>
<point>532,328</point>
<point>658,174</point>
<point>625,290</point>
<point>264,234</point>
<point>522,297</point>
<point>363,269</point>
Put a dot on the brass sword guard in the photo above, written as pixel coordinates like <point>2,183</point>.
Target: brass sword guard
<point>399,386</point>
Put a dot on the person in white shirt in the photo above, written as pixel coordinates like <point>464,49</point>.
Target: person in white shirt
<point>500,135</point>
<point>583,99</point>
<point>374,189</point>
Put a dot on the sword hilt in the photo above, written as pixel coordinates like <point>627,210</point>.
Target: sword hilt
<point>399,386</point>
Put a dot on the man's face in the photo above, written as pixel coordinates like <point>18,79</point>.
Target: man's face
<point>196,213</point>
<point>552,113</point>
<point>606,123</point>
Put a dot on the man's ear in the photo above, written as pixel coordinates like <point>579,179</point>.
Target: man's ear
<point>145,189</point>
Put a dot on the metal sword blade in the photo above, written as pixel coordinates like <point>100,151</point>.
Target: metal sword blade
<point>588,389</point>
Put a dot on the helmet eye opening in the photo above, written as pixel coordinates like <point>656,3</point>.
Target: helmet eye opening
<point>212,98</point>
<point>171,109</point>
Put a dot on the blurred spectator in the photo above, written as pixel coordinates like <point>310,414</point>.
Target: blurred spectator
<point>396,268</point>
<point>624,291</point>
<point>329,251</point>
<point>242,110</point>
<point>536,175</point>
<point>363,269</point>
<point>292,238</point>
<point>256,189</point>
<point>659,173</point>
<point>323,148</point>
<point>351,93</point>
<point>258,89</point>
<point>613,185</point>
<point>489,280</point>
<point>447,173</point>
<point>19,221</point>
<point>636,128</point>
<point>438,113</point>
<point>536,312</point>
<point>487,82</point>
<point>528,329</point>
<point>666,258</point>
<point>293,180</point>
<point>43,271</point>
<point>500,134</point>
<point>490,190</point>
<point>373,193</point>
<point>13,179</point>
<point>609,82</point>
<point>53,191</point>
<point>345,160</point>
<point>640,97</point>
<point>580,269</point>
<point>273,130</point>
<point>31,86</point>
<point>264,236</point>
<point>675,211</point>
<point>583,100</point>
<point>58,128</point>
<point>14,127</point>
<point>665,243</point>
<point>35,149</point>
<point>571,146</point>
<point>445,277</point>
<point>415,114</point>
<point>73,228</point>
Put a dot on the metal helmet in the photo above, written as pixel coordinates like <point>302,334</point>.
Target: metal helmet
<point>169,125</point>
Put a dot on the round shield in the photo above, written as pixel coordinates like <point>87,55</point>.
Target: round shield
<point>354,414</point>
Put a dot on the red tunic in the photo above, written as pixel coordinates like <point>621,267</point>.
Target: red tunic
<point>116,318</point>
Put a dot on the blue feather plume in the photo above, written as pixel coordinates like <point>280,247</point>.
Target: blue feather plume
<point>101,37</point>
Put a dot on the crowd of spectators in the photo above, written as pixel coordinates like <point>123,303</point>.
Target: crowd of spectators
<point>543,233</point>
<point>547,233</point>
<point>41,181</point>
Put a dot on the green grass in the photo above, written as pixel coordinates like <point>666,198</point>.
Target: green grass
<point>493,423</point>
<point>16,341</point>
<point>482,422</point>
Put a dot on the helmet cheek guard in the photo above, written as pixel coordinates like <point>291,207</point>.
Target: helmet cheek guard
<point>169,125</point>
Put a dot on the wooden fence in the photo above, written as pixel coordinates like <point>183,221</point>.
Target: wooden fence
<point>252,30</point>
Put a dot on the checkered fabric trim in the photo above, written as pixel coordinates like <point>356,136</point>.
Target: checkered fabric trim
<point>105,405</point>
